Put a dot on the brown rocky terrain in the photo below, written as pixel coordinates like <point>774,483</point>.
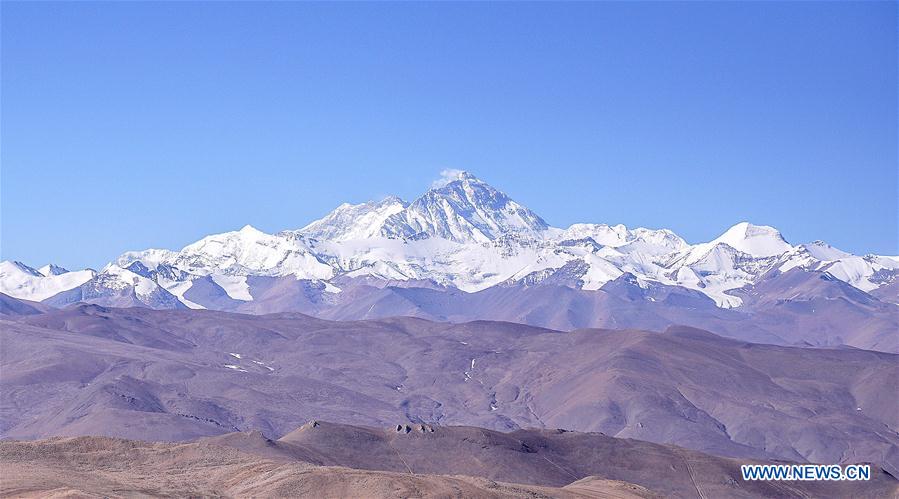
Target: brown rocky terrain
<point>106,467</point>
<point>324,459</point>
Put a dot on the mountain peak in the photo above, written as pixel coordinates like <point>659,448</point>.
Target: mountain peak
<point>823,251</point>
<point>747,229</point>
<point>755,240</point>
<point>249,229</point>
<point>21,281</point>
<point>452,175</point>
<point>459,207</point>
<point>354,221</point>
<point>51,269</point>
<point>462,208</point>
<point>464,179</point>
<point>8,266</point>
<point>391,199</point>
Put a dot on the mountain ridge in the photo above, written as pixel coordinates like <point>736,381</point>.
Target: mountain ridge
<point>462,234</point>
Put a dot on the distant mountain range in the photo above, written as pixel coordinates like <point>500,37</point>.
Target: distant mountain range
<point>465,250</point>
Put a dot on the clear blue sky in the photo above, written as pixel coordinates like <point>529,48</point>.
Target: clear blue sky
<point>135,125</point>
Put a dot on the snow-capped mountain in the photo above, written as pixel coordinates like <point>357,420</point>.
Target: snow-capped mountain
<point>464,210</point>
<point>243,252</point>
<point>642,240</point>
<point>462,234</point>
<point>51,269</point>
<point>116,286</point>
<point>21,281</point>
<point>250,251</point>
<point>355,221</point>
<point>867,273</point>
<point>757,241</point>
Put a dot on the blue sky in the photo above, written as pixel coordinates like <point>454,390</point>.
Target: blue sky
<point>135,125</point>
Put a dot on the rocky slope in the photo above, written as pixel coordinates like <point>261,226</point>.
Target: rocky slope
<point>103,467</point>
<point>330,460</point>
<point>181,374</point>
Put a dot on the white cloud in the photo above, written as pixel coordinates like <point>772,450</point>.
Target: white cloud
<point>447,176</point>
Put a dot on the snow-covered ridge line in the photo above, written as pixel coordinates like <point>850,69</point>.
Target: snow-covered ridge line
<point>462,233</point>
